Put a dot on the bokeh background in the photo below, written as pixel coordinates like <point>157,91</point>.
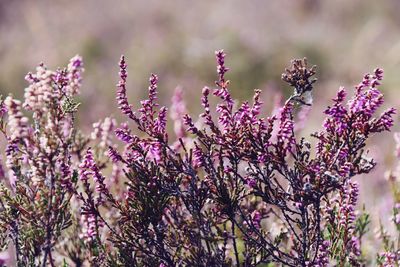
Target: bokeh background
<point>177,40</point>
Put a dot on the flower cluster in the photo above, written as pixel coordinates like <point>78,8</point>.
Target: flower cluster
<point>390,253</point>
<point>231,180</point>
<point>234,188</point>
<point>41,163</point>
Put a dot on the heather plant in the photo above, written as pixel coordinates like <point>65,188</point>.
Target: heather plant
<point>233,188</point>
<point>40,152</point>
<point>390,254</point>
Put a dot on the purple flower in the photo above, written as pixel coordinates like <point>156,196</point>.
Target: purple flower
<point>348,204</point>
<point>206,105</point>
<point>153,88</point>
<point>251,182</point>
<point>323,254</point>
<point>3,109</point>
<point>286,127</point>
<point>178,110</point>
<point>223,91</point>
<point>221,69</point>
<point>74,75</point>
<point>121,93</point>
<point>66,176</point>
<point>114,155</point>
<point>256,219</point>
<point>187,120</point>
<point>345,169</point>
<point>17,122</point>
<point>384,122</point>
<point>198,157</point>
<point>355,246</point>
<point>91,226</point>
<point>257,104</point>
<point>161,122</point>
<point>337,120</point>
<point>224,118</point>
<point>124,135</point>
<point>86,166</point>
<point>366,102</point>
<point>155,149</point>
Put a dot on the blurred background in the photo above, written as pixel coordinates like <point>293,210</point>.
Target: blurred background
<point>177,40</point>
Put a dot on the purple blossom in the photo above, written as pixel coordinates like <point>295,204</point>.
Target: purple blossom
<point>323,255</point>
<point>256,219</point>
<point>86,166</point>
<point>3,109</point>
<point>114,155</point>
<point>198,157</point>
<point>187,120</point>
<point>74,76</point>
<point>348,205</point>
<point>2,172</point>
<point>384,122</point>
<point>390,259</point>
<point>355,246</point>
<point>368,101</point>
<point>251,182</point>
<point>124,135</point>
<point>397,219</point>
<point>286,127</point>
<point>147,110</point>
<point>66,176</point>
<point>257,104</point>
<point>345,169</point>
<point>91,226</point>
<point>206,105</point>
<point>224,118</point>
<point>122,98</point>
<point>17,122</point>
<point>178,110</point>
<point>153,88</point>
<point>337,120</point>
<point>221,69</point>
<point>223,91</point>
<point>155,150</point>
<point>161,122</point>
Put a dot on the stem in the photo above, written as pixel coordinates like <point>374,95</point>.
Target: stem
<point>318,228</point>
<point>304,217</point>
<point>16,243</point>
<point>234,243</point>
<point>49,214</point>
